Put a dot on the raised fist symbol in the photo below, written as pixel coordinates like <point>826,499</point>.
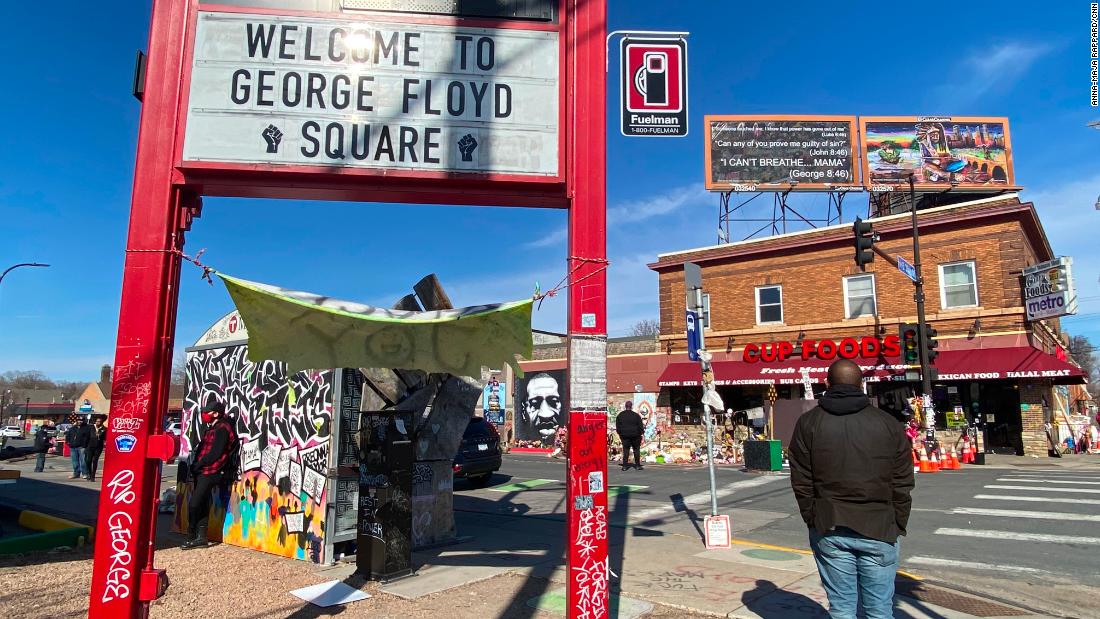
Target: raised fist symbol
<point>273,137</point>
<point>466,146</point>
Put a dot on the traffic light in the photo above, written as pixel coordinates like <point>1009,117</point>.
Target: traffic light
<point>864,241</point>
<point>910,342</point>
<point>929,342</point>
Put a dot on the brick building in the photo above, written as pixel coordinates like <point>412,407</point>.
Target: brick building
<point>783,307</point>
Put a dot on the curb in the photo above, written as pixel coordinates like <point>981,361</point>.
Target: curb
<point>55,532</point>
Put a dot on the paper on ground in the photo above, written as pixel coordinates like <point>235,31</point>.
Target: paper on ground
<point>329,594</point>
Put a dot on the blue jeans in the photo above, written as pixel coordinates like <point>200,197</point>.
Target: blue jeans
<point>77,455</point>
<point>40,462</point>
<point>856,571</point>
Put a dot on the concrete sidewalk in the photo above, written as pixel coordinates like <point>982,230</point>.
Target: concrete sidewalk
<point>668,569</point>
<point>514,547</point>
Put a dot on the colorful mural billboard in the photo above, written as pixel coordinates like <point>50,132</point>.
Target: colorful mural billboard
<point>285,426</point>
<point>494,401</point>
<point>938,151</point>
<point>768,153</point>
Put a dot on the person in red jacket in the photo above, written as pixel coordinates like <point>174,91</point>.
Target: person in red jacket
<point>210,460</point>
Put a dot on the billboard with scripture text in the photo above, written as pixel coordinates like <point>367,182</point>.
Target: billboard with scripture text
<point>769,153</point>
<point>972,153</point>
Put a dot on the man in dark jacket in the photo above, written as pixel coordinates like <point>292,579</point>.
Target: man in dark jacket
<point>97,434</point>
<point>852,472</point>
<point>41,446</point>
<point>630,427</point>
<point>210,459</point>
<point>77,438</point>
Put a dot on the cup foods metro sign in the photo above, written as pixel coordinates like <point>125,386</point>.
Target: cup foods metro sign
<point>847,348</point>
<point>1048,289</point>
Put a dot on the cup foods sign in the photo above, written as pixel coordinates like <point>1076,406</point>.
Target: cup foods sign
<point>1048,289</point>
<point>381,95</point>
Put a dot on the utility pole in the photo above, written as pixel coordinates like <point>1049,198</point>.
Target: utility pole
<point>697,349</point>
<point>918,296</point>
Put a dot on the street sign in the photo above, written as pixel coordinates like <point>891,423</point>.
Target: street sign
<point>653,87</point>
<point>907,269</point>
<point>693,278</point>
<point>693,335</point>
<point>717,531</point>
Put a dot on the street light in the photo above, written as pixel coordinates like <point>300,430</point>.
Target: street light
<point>22,264</point>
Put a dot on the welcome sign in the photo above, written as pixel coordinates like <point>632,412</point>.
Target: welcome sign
<point>373,94</point>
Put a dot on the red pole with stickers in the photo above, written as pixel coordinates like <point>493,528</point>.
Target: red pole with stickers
<point>175,168</point>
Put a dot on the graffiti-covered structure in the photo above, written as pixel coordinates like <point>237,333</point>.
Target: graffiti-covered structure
<point>298,484</point>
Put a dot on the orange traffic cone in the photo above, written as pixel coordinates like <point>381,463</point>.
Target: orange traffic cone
<point>935,460</point>
<point>925,463</point>
<point>971,453</point>
<point>916,460</point>
<point>955,460</point>
<point>951,461</point>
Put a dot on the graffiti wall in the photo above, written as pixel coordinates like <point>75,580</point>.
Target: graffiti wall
<point>540,402</point>
<point>285,424</point>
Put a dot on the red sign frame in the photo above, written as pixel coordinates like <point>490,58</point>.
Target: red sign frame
<point>167,196</point>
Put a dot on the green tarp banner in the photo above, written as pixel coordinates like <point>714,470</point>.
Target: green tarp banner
<point>309,331</point>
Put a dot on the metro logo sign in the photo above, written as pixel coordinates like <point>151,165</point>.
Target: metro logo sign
<point>653,87</point>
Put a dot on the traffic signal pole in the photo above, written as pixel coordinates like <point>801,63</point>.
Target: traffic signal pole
<point>918,296</point>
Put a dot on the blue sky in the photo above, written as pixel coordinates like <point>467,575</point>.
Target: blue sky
<point>67,157</point>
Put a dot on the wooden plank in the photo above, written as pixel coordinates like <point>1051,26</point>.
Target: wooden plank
<point>431,294</point>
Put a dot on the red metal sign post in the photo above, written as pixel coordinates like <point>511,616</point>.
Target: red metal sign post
<point>168,183</point>
<point>586,497</point>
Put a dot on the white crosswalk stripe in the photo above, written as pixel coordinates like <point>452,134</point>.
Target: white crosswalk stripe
<point>1039,489</point>
<point>1030,480</point>
<point>1036,499</point>
<point>985,567</point>
<point>1019,537</point>
<point>1015,513</point>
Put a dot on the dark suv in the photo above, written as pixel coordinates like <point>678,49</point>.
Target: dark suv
<point>479,454</point>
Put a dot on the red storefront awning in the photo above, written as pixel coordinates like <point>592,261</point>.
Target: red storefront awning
<point>787,372</point>
<point>1021,362</point>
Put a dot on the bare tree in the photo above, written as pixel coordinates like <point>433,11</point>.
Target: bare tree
<point>179,369</point>
<point>1088,357</point>
<point>646,327</point>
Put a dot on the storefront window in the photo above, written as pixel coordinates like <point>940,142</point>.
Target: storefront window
<point>958,285</point>
<point>769,304</point>
<point>859,295</point>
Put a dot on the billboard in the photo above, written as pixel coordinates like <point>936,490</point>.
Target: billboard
<point>972,153</point>
<point>392,94</point>
<point>541,406</point>
<point>762,153</point>
<point>1048,289</point>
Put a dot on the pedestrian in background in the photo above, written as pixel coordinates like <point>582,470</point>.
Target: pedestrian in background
<point>212,457</point>
<point>77,438</point>
<point>41,446</point>
<point>97,436</point>
<point>852,474</point>
<point>630,427</point>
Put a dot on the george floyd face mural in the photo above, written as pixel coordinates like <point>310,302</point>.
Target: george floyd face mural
<point>540,406</point>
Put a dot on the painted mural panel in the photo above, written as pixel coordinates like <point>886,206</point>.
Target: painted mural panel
<point>540,405</point>
<point>972,153</point>
<point>645,404</point>
<point>285,425</point>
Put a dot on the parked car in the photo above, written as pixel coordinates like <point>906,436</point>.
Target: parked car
<point>12,432</point>
<point>174,428</point>
<point>479,455</point>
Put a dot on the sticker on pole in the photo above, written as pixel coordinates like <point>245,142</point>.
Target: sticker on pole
<point>653,87</point>
<point>718,531</point>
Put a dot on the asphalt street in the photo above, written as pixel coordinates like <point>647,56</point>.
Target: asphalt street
<point>999,531</point>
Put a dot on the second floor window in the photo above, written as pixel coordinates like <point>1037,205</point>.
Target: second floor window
<point>958,285</point>
<point>859,296</point>
<point>769,304</point>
